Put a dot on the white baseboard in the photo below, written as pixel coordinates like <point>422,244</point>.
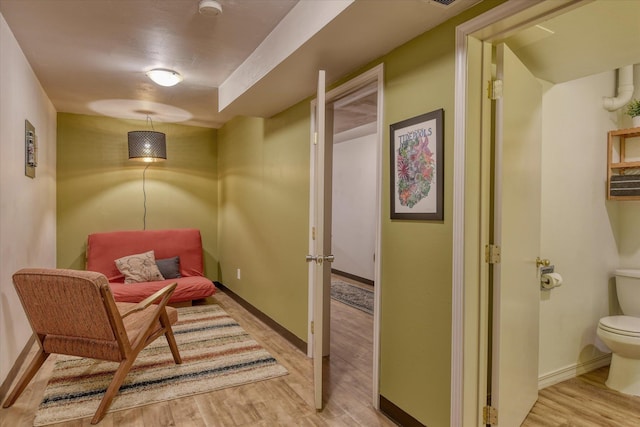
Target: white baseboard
<point>573,371</point>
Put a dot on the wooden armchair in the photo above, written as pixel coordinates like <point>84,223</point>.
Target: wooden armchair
<point>73,312</point>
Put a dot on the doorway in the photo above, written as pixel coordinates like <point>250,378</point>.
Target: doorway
<point>358,123</point>
<point>353,231</point>
<point>585,298</point>
<point>354,197</point>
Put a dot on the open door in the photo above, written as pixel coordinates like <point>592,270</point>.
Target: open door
<point>321,259</point>
<point>516,287</point>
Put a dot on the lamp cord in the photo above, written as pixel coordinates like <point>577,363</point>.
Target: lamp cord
<point>144,194</point>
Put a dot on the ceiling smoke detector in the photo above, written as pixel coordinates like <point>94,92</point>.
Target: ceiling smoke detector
<point>209,7</point>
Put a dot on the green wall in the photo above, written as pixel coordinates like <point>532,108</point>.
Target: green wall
<point>417,255</point>
<point>264,220</point>
<point>100,189</point>
<point>264,213</point>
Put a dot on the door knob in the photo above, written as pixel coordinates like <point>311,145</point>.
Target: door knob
<point>544,262</point>
<point>311,258</point>
<point>320,258</point>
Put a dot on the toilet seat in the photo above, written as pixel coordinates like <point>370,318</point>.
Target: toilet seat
<point>621,325</point>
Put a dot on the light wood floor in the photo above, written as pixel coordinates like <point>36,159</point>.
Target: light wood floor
<point>283,401</point>
<point>287,401</point>
<point>584,401</point>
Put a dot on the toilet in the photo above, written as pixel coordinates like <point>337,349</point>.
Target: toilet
<point>622,335</point>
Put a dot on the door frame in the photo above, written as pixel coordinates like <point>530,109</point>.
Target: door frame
<point>375,74</point>
<point>470,303</point>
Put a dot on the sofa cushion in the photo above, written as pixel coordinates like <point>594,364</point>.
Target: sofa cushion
<point>188,289</point>
<point>169,267</point>
<point>139,268</point>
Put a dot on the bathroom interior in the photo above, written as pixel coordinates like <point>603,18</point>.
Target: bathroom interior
<point>584,235</point>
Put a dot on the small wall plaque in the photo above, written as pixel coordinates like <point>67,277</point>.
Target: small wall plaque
<point>30,150</point>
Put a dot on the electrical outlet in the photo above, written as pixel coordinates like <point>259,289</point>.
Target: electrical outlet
<point>238,274</point>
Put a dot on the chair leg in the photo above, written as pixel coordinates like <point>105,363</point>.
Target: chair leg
<point>112,390</point>
<point>28,375</point>
<point>164,321</point>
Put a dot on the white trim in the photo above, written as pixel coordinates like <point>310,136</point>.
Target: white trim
<point>457,305</point>
<point>375,380</point>
<point>369,76</point>
<point>458,332</point>
<point>498,13</point>
<point>312,209</point>
<point>361,93</point>
<point>321,307</point>
<point>375,74</point>
<point>573,371</point>
<point>457,308</point>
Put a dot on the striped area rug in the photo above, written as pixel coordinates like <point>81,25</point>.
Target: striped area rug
<point>216,353</point>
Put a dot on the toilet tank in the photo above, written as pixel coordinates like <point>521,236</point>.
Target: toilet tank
<point>628,290</point>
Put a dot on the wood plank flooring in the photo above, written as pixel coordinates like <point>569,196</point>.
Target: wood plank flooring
<point>288,401</point>
<point>283,401</point>
<point>584,401</point>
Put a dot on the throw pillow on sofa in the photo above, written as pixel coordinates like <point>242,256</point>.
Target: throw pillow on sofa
<point>169,267</point>
<point>139,268</point>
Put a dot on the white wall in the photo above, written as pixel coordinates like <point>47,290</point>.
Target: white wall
<point>27,206</point>
<point>583,234</point>
<point>354,206</point>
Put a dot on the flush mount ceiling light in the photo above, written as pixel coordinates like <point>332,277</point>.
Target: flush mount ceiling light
<point>209,7</point>
<point>164,77</point>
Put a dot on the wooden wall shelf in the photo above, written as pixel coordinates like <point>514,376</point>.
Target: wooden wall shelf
<point>623,177</point>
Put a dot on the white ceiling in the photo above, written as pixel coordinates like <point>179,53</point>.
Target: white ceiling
<point>598,36</point>
<point>91,55</point>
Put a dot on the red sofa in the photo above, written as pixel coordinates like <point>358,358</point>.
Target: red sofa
<point>104,248</point>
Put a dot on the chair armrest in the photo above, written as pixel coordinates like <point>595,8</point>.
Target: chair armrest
<point>150,299</point>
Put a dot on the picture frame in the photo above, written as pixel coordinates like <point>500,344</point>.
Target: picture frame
<point>417,167</point>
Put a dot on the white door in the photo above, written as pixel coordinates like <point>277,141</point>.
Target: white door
<point>321,257</point>
<point>516,287</point>
<point>320,220</point>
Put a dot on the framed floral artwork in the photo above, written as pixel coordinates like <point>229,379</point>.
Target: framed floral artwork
<point>417,167</point>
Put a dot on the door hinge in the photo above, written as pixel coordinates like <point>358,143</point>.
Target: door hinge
<point>489,415</point>
<point>313,233</point>
<point>494,89</point>
<point>315,138</point>
<point>312,328</point>
<point>492,254</point>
